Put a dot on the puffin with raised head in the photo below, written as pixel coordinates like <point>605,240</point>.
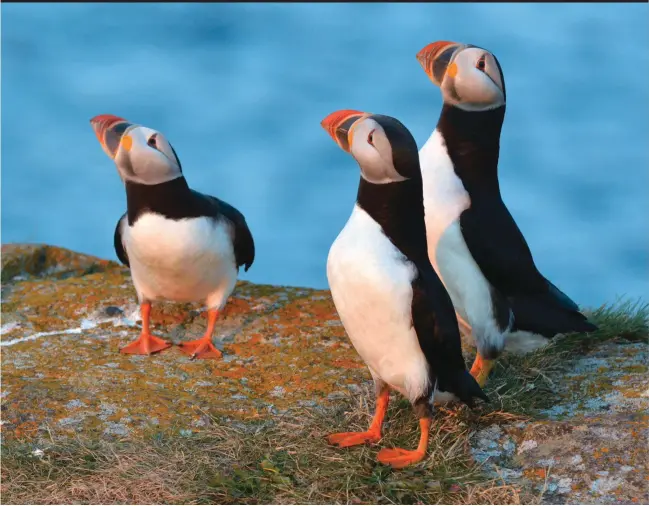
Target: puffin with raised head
<point>180,245</point>
<point>392,304</point>
<point>473,241</point>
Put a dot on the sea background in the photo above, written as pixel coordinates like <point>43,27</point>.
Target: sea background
<point>240,90</point>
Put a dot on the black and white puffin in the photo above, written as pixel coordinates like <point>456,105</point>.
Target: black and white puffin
<point>473,241</point>
<point>180,245</point>
<point>392,304</point>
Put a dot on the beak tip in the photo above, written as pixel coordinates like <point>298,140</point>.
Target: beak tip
<point>421,55</point>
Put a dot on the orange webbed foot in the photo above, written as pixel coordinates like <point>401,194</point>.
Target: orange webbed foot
<point>481,369</point>
<point>345,439</point>
<point>398,457</point>
<point>201,348</point>
<point>146,344</point>
<point>373,434</point>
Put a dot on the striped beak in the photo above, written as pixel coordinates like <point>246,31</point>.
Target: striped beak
<point>436,58</point>
<point>339,125</point>
<point>110,130</point>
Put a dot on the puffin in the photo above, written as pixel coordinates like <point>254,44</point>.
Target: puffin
<point>393,306</point>
<point>180,245</point>
<point>474,244</point>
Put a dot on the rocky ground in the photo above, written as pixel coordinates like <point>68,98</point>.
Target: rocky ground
<point>569,425</point>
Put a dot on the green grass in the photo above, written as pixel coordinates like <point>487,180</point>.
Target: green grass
<point>510,384</point>
<point>624,319</point>
<point>289,460</point>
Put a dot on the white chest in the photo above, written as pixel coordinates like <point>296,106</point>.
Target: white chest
<point>181,260</point>
<point>444,195</point>
<point>370,281</point>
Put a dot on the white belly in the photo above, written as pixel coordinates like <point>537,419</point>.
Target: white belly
<point>181,260</point>
<point>370,281</point>
<point>469,289</point>
<point>444,201</point>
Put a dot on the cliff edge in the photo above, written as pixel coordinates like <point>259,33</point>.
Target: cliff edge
<point>568,425</point>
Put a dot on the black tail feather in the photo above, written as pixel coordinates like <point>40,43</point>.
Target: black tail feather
<point>463,386</point>
<point>542,315</point>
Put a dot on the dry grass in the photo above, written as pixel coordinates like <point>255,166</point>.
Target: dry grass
<point>289,460</point>
<point>286,463</point>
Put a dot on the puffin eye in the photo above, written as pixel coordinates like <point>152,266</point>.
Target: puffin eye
<point>370,138</point>
<point>482,63</point>
<point>152,141</point>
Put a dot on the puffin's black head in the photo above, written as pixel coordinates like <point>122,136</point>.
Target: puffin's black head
<point>470,77</point>
<point>142,155</point>
<point>383,147</point>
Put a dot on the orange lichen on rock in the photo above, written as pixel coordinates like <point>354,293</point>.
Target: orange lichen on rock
<point>348,364</point>
<point>62,373</point>
<point>65,316</point>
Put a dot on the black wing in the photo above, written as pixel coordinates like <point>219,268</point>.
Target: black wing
<point>244,245</point>
<point>117,241</point>
<point>435,323</point>
<point>500,250</point>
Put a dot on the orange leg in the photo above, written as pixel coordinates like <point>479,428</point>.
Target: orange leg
<point>146,343</point>
<point>481,368</point>
<point>203,347</point>
<point>373,434</point>
<point>398,458</point>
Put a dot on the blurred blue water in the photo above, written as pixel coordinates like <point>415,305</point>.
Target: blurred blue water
<point>240,90</point>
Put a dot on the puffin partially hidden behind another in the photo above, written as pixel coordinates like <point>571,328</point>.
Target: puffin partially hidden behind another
<point>473,241</point>
<point>392,304</point>
<point>180,245</point>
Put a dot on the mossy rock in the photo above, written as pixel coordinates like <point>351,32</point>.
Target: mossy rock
<point>566,425</point>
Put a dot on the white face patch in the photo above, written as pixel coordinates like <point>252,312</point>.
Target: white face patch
<point>146,157</point>
<point>473,81</point>
<point>373,152</point>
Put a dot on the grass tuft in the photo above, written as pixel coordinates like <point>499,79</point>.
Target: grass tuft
<point>628,319</point>
<point>524,385</point>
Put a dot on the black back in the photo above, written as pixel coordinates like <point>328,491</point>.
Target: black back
<point>490,232</point>
<point>176,201</point>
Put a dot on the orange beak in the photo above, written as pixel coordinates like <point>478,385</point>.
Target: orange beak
<point>109,130</point>
<point>339,125</point>
<point>435,59</point>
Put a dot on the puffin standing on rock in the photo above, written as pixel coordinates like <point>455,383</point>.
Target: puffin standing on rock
<point>473,241</point>
<point>393,306</point>
<point>180,245</point>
